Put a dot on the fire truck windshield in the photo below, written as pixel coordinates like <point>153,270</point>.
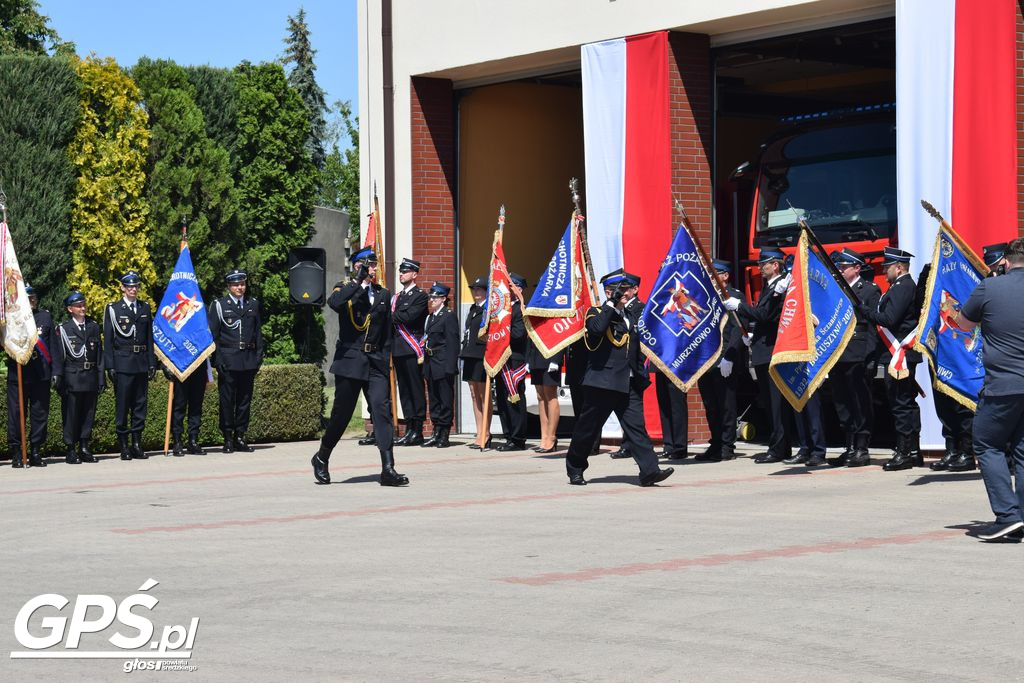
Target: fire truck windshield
<point>841,179</point>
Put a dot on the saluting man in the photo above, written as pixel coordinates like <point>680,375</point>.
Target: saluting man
<point>35,377</point>
<point>78,377</point>
<point>897,313</point>
<point>442,365</point>
<point>409,313</point>
<point>361,364</point>
<point>238,334</point>
<point>129,362</point>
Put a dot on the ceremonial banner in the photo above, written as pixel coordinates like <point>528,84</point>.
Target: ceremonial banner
<point>371,231</point>
<point>816,325</point>
<point>557,310</point>
<point>953,352</point>
<point>499,311</point>
<point>680,329</point>
<point>181,334</point>
<point>17,324</point>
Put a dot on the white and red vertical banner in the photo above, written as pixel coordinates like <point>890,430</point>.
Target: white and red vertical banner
<point>628,148</point>
<point>956,131</point>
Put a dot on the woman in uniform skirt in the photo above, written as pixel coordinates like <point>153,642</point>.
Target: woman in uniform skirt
<point>472,356</point>
<point>546,377</point>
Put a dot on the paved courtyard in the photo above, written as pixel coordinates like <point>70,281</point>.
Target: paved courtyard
<point>489,566</point>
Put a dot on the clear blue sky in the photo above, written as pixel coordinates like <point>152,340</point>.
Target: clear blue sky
<point>215,32</point>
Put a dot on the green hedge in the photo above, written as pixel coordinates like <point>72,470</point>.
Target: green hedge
<point>287,403</point>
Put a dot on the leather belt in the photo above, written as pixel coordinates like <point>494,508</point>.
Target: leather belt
<point>369,348</point>
<point>88,366</point>
<point>138,348</point>
<point>242,346</point>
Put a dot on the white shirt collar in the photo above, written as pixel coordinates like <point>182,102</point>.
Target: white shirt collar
<point>130,304</point>
<point>855,281</point>
<point>409,287</point>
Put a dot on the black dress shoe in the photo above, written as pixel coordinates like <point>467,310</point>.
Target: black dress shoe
<point>511,445</point>
<point>815,461</point>
<point>768,458</point>
<point>86,454</point>
<point>678,455</point>
<point>392,478</point>
<point>728,454</point>
<point>320,472</point>
<point>176,449</point>
<point>71,457</point>
<point>709,455</point>
<point>35,458</point>
<point>241,445</point>
<point>942,464</point>
<point>194,448</point>
<point>963,462</point>
<point>16,462</point>
<point>860,458</point>
<point>620,454</point>
<point>899,461</point>
<point>576,479</point>
<point>368,440</point>
<point>798,459</point>
<point>654,477</point>
<point>842,461</point>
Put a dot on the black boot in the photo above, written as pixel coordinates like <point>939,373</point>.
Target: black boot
<point>844,458</point>
<point>126,451</point>
<point>388,476</point>
<point>35,459</point>
<point>942,464</point>
<point>137,452</point>
<point>914,450</point>
<point>964,460</point>
<point>404,440</point>
<point>439,439</point>
<point>86,454</point>
<point>369,440</point>
<point>319,463</point>
<point>860,457</point>
<point>194,448</point>
<point>70,457</point>
<point>229,443</point>
<point>176,449</point>
<point>415,434</point>
<point>241,445</point>
<point>16,462</point>
<point>901,459</point>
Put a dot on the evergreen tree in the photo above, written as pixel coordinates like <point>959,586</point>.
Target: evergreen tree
<point>110,233</point>
<point>299,52</point>
<point>39,105</point>
<point>276,189</point>
<point>339,179</point>
<point>188,179</point>
<point>216,95</point>
<point>23,30</point>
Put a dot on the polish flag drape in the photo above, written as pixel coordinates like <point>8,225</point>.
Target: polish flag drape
<point>17,324</point>
<point>956,131</point>
<point>499,311</point>
<point>627,145</point>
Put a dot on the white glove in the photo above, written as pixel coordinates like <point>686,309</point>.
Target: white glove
<point>782,284</point>
<point>726,367</point>
<point>554,367</point>
<point>731,304</point>
<point>748,339</point>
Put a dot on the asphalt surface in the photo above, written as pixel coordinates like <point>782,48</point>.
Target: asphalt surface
<point>490,567</point>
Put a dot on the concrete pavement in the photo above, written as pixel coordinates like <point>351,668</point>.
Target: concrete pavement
<point>489,566</point>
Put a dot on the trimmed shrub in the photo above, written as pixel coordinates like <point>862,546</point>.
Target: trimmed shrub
<point>287,404</point>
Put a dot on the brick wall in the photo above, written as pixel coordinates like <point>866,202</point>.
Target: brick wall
<point>689,82</point>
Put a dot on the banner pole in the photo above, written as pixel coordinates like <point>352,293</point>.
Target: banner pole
<point>167,427</point>
<point>21,414</point>
<point>382,270</point>
<point>706,262</point>
<point>487,414</point>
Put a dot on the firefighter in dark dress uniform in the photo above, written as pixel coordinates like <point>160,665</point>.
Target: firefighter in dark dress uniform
<point>633,309</point>
<point>129,363</point>
<point>408,315</point>
<point>35,377</point>
<point>512,406</point>
<point>361,362</point>
<point>765,317</point>
<point>237,330</point>
<point>472,356</point>
<point>613,368</point>
<point>78,377</point>
<point>441,335</point>
<point>188,400</point>
<point>718,385</point>
<point>851,391</point>
<point>897,312</point>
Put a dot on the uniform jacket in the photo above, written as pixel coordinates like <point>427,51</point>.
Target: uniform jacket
<point>472,345</point>
<point>38,369</point>
<point>610,365</point>
<point>634,309</point>
<point>897,311</point>
<point>536,361</point>
<point>765,316</point>
<point>442,348</point>
<point>411,311</point>
<point>732,336</point>
<point>575,363</point>
<point>128,337</point>
<point>517,337</point>
<point>78,356</point>
<point>237,332</point>
<point>865,336</point>
<point>357,349</point>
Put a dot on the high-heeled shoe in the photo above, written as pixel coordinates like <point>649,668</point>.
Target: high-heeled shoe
<point>542,451</point>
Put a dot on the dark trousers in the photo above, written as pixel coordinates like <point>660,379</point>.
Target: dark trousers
<point>188,398</point>
<point>809,429</point>
<point>902,395</point>
<point>719,397</point>
<point>779,411</point>
<point>512,415</point>
<point>598,404</point>
<point>130,394</point>
<point>956,420</point>
<point>672,410</point>
<point>1000,420</point>
<point>235,389</point>
<point>346,395</point>
<point>851,395</point>
<point>442,401</point>
<point>78,409</point>
<point>37,410</point>
<point>411,390</point>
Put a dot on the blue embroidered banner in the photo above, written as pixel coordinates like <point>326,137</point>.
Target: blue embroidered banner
<point>954,353</point>
<point>553,297</point>
<point>181,334</point>
<point>681,326</point>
